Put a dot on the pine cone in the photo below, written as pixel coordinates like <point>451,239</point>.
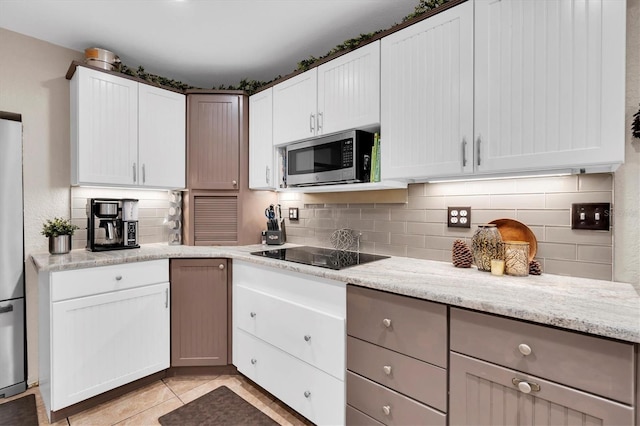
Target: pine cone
<point>535,268</point>
<point>461,255</point>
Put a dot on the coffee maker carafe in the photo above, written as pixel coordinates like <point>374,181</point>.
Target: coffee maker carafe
<point>112,224</point>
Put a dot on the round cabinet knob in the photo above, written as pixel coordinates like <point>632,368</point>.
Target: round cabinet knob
<point>307,338</point>
<point>387,370</point>
<point>221,266</point>
<point>253,360</point>
<point>524,349</point>
<point>386,410</point>
<point>524,387</point>
<point>307,394</point>
<point>234,182</point>
<point>386,322</point>
<point>253,314</point>
<point>118,277</point>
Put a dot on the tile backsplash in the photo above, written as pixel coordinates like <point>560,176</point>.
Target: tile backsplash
<point>153,208</point>
<point>418,228</point>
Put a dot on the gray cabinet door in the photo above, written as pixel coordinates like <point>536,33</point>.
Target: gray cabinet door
<point>485,394</point>
<point>199,310</point>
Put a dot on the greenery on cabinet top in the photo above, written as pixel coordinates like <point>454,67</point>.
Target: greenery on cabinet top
<point>252,86</point>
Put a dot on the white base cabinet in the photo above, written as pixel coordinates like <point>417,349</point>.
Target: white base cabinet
<point>101,328</point>
<point>289,337</point>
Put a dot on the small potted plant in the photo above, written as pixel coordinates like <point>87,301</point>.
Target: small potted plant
<point>59,232</point>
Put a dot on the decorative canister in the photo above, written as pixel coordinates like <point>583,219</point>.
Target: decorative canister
<point>60,244</point>
<point>486,245</point>
<point>516,258</point>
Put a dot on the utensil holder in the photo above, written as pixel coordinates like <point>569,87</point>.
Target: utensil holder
<point>275,237</point>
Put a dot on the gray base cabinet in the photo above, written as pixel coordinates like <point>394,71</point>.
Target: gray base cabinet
<point>486,394</point>
<point>199,310</point>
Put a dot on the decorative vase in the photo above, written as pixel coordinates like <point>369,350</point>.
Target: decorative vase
<point>516,258</point>
<point>486,245</point>
<point>60,244</point>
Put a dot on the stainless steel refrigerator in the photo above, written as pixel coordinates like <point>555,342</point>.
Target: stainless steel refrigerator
<point>12,302</point>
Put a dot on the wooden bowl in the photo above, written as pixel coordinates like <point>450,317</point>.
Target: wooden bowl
<point>512,230</point>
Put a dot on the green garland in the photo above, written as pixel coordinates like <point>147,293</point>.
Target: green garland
<point>252,86</point>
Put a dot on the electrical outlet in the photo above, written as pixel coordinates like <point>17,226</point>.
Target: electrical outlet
<point>592,216</point>
<point>459,217</point>
<point>293,213</point>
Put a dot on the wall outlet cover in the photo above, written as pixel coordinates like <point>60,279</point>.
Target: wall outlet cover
<point>293,213</point>
<point>591,216</point>
<point>459,217</point>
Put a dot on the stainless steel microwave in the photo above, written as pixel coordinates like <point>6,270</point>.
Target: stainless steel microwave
<point>339,158</point>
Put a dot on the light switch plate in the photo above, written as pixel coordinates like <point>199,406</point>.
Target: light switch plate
<point>459,217</point>
<point>293,213</point>
<point>592,216</point>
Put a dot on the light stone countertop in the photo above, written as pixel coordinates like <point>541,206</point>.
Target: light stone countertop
<point>604,308</point>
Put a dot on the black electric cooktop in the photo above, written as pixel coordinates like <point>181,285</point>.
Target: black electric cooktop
<point>322,257</point>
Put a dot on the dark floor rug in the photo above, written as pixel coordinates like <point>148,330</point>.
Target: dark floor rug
<point>21,411</point>
<point>221,407</point>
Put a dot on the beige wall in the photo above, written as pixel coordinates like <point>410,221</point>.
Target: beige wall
<point>32,83</point>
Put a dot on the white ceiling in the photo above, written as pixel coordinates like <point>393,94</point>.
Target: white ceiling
<point>204,43</point>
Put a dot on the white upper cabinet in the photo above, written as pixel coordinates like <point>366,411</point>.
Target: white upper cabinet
<point>349,91</point>
<point>294,108</point>
<point>427,97</point>
<point>261,151</point>
<point>124,133</point>
<point>161,149</point>
<point>549,84</point>
<point>104,128</point>
<point>338,95</point>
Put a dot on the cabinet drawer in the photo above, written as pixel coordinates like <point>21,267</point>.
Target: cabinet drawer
<point>313,393</point>
<point>358,418</point>
<point>419,380</point>
<point>604,367</point>
<point>415,327</point>
<point>311,335</point>
<point>373,399</point>
<point>484,393</point>
<point>103,279</point>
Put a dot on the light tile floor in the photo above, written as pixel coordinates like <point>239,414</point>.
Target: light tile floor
<point>143,406</point>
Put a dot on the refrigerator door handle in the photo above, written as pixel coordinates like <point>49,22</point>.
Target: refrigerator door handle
<point>5,309</point>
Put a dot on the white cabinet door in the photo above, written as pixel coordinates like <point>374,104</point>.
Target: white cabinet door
<point>261,151</point>
<point>104,341</point>
<point>349,91</point>
<point>549,83</point>
<point>427,97</point>
<point>294,108</point>
<point>104,128</point>
<point>162,137</point>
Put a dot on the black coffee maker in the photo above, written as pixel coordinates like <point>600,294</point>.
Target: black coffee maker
<point>112,224</point>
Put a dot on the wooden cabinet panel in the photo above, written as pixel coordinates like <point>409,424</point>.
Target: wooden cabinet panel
<point>294,108</point>
<point>106,340</point>
<point>162,146</point>
<point>358,418</point>
<point>388,406</point>
<point>417,328</point>
<point>199,312</point>
<point>549,84</point>
<point>409,376</point>
<point>213,142</point>
<point>483,393</point>
<point>104,129</point>
<point>427,97</point>
<point>261,152</point>
<point>601,366</point>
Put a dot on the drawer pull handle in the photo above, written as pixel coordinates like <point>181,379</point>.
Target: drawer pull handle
<point>307,394</point>
<point>387,370</point>
<point>386,409</point>
<point>524,349</point>
<point>221,266</point>
<point>253,314</point>
<point>253,361</point>
<point>307,338</point>
<point>6,309</point>
<point>524,386</point>
<point>118,277</point>
<point>386,322</point>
